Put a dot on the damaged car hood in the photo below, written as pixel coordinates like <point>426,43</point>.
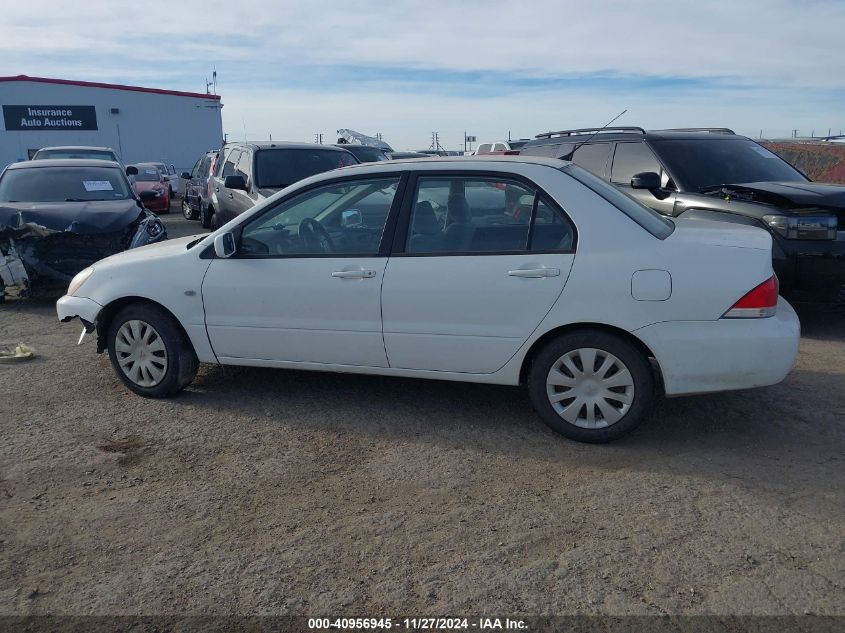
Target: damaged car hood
<point>106,216</point>
<point>815,194</point>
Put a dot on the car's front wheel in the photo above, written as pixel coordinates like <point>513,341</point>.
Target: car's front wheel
<point>187,211</point>
<point>591,386</point>
<point>149,351</point>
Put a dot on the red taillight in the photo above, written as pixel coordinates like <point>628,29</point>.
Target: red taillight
<point>762,301</point>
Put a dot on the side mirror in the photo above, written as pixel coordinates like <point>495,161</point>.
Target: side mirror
<point>646,180</point>
<point>147,195</point>
<point>235,182</point>
<point>224,245</point>
<point>185,175</point>
<point>131,170</point>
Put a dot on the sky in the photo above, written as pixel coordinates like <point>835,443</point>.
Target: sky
<point>492,68</point>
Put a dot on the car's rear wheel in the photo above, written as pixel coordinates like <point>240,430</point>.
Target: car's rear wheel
<point>214,221</point>
<point>149,351</point>
<point>591,386</point>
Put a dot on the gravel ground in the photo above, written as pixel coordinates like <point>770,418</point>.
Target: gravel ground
<point>263,491</point>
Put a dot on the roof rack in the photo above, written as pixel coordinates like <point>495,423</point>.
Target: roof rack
<point>711,130</point>
<point>594,130</point>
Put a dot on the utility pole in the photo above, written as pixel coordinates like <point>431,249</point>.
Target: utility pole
<point>435,142</point>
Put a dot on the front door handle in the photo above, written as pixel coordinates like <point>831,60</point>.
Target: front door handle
<point>354,274</point>
<point>534,273</point>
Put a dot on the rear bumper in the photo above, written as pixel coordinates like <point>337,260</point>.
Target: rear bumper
<point>727,354</point>
<point>69,307</point>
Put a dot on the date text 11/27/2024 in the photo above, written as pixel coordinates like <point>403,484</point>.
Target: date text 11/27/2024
<point>481,624</point>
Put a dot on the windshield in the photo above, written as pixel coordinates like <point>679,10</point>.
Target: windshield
<point>147,174</point>
<point>63,184</point>
<point>94,154</point>
<point>277,168</point>
<point>699,164</point>
<point>647,218</point>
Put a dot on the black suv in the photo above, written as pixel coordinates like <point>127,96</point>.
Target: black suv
<point>249,173</point>
<point>716,174</point>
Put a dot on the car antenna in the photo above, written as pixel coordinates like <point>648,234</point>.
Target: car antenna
<point>590,138</point>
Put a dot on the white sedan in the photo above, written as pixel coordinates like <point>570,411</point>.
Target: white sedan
<point>506,270</point>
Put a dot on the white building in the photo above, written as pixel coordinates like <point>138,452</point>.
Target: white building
<point>140,124</point>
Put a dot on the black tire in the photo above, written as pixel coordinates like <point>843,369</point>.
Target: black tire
<point>213,221</point>
<point>180,361</point>
<point>187,211</point>
<point>206,217</point>
<point>628,356</point>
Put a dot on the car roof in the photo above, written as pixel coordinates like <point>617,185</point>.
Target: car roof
<point>147,164</point>
<point>493,162</point>
<point>64,162</point>
<point>67,147</point>
<point>701,134</point>
<point>283,145</point>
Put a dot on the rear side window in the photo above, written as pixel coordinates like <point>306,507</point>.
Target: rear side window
<point>593,158</point>
<point>656,224</point>
<point>631,159</point>
<point>484,148</point>
<point>465,215</point>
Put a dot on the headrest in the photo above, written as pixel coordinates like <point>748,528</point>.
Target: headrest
<point>425,221</point>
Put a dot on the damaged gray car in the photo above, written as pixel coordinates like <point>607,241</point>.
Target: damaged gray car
<point>58,217</point>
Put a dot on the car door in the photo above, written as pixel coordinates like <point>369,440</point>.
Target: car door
<point>222,195</point>
<point>634,158</point>
<point>193,185</point>
<point>482,260</point>
<point>305,283</point>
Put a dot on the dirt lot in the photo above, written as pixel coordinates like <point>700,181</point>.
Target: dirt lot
<point>274,492</point>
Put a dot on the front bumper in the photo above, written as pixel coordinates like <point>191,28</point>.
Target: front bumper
<point>812,271</point>
<point>70,307</point>
<point>726,354</point>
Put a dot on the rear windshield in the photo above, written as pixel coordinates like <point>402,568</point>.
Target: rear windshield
<point>699,164</point>
<point>276,168</point>
<point>92,154</point>
<point>63,184</point>
<point>656,224</point>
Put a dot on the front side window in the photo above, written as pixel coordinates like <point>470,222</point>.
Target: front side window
<point>346,218</point>
<point>229,164</point>
<point>464,215</point>
<point>244,166</point>
<point>63,184</point>
<point>631,159</point>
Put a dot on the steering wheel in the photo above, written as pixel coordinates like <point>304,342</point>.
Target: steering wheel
<point>313,235</point>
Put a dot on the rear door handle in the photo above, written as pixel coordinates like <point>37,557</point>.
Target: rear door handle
<point>534,273</point>
<point>354,274</point>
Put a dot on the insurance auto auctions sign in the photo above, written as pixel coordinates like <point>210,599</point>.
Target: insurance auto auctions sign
<point>49,117</point>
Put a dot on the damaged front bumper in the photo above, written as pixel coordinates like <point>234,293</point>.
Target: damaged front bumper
<point>87,310</point>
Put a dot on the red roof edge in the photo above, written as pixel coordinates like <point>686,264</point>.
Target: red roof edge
<point>96,84</point>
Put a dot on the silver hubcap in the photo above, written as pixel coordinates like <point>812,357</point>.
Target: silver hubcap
<point>141,353</point>
<point>590,388</point>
